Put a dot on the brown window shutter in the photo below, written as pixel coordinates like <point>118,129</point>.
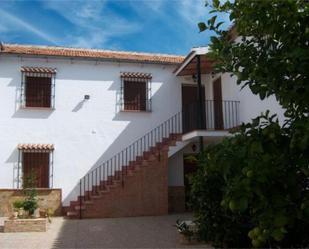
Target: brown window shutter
<point>218,110</point>
<point>135,95</point>
<point>38,91</point>
<point>36,167</point>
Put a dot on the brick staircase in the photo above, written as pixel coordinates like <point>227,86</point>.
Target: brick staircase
<point>134,182</point>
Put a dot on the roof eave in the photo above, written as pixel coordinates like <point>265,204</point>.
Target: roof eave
<point>90,58</point>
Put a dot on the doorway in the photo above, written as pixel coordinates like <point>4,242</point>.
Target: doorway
<point>190,107</point>
<point>189,168</point>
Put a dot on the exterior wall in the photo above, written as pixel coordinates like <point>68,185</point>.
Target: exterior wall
<point>176,188</point>
<point>250,105</point>
<point>84,133</point>
<point>48,198</point>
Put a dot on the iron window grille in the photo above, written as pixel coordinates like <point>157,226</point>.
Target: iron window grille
<point>34,161</point>
<point>37,87</point>
<point>135,92</point>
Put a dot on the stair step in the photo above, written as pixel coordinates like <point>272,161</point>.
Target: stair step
<point>80,207</point>
<point>72,214</point>
<point>152,154</point>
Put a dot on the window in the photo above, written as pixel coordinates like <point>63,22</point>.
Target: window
<point>135,92</point>
<point>35,165</point>
<point>37,88</point>
<point>135,95</point>
<point>36,169</point>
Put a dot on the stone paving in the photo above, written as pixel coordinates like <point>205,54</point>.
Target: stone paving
<point>137,232</point>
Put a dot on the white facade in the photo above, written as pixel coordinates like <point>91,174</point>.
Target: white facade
<point>87,132</point>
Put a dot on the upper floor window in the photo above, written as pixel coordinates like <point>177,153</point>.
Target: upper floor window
<point>135,91</point>
<point>38,87</point>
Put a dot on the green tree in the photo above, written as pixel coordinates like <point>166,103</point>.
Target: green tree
<point>254,186</point>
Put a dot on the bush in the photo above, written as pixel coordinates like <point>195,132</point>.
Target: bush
<point>30,204</point>
<point>18,204</point>
<point>252,189</point>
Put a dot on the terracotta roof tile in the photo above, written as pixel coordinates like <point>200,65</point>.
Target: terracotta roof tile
<point>48,147</point>
<point>38,70</point>
<point>90,53</point>
<point>135,75</point>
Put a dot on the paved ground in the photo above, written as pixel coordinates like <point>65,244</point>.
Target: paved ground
<point>140,232</point>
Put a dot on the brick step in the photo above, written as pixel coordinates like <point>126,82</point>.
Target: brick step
<point>72,214</point>
<point>101,195</point>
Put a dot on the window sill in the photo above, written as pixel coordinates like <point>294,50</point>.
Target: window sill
<point>38,108</point>
<point>135,111</point>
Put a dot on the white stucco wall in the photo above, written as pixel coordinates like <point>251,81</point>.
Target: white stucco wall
<point>84,133</point>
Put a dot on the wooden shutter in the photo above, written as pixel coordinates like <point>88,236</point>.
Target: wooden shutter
<point>135,95</point>
<point>190,108</point>
<point>38,91</point>
<point>36,166</point>
<point>218,114</point>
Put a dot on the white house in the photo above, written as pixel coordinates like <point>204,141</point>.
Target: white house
<point>112,129</point>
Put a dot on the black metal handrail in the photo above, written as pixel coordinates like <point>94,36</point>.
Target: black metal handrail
<point>117,166</point>
<point>215,115</point>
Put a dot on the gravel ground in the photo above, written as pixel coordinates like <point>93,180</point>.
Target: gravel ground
<point>137,232</point>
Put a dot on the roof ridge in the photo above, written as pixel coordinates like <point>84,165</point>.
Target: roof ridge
<point>90,50</point>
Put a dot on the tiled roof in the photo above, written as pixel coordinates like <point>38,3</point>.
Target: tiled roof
<point>48,147</point>
<point>90,54</point>
<point>47,70</point>
<point>135,75</point>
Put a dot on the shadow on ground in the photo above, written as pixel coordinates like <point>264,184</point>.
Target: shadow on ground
<point>137,232</point>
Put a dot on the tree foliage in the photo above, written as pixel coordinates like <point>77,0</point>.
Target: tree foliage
<point>271,55</point>
<point>253,188</point>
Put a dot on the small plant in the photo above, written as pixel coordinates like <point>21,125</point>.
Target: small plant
<point>30,203</point>
<point>19,204</point>
<point>49,214</point>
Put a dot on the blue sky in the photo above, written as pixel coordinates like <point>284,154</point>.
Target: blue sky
<point>161,26</point>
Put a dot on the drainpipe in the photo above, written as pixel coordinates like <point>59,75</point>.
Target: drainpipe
<point>200,114</point>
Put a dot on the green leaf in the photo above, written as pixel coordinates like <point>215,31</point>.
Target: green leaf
<point>202,26</point>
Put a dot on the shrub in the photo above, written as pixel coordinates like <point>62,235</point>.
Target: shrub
<point>18,204</point>
<point>254,187</point>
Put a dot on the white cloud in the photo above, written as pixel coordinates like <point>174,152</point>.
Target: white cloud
<point>95,25</point>
<point>11,22</point>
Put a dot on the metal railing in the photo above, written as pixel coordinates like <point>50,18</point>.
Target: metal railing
<point>220,116</point>
<point>117,167</point>
<point>216,115</point>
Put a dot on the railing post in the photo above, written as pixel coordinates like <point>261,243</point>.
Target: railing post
<point>80,199</point>
<point>200,119</point>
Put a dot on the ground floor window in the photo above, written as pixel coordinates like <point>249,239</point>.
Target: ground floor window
<point>35,165</point>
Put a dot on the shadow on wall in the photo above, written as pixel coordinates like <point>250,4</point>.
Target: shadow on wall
<point>26,113</point>
<point>139,123</point>
<point>79,105</point>
<point>32,113</point>
<point>13,160</point>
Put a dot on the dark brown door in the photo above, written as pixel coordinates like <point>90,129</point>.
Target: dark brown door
<point>190,107</point>
<point>135,96</point>
<point>36,169</point>
<point>189,168</point>
<point>218,115</point>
